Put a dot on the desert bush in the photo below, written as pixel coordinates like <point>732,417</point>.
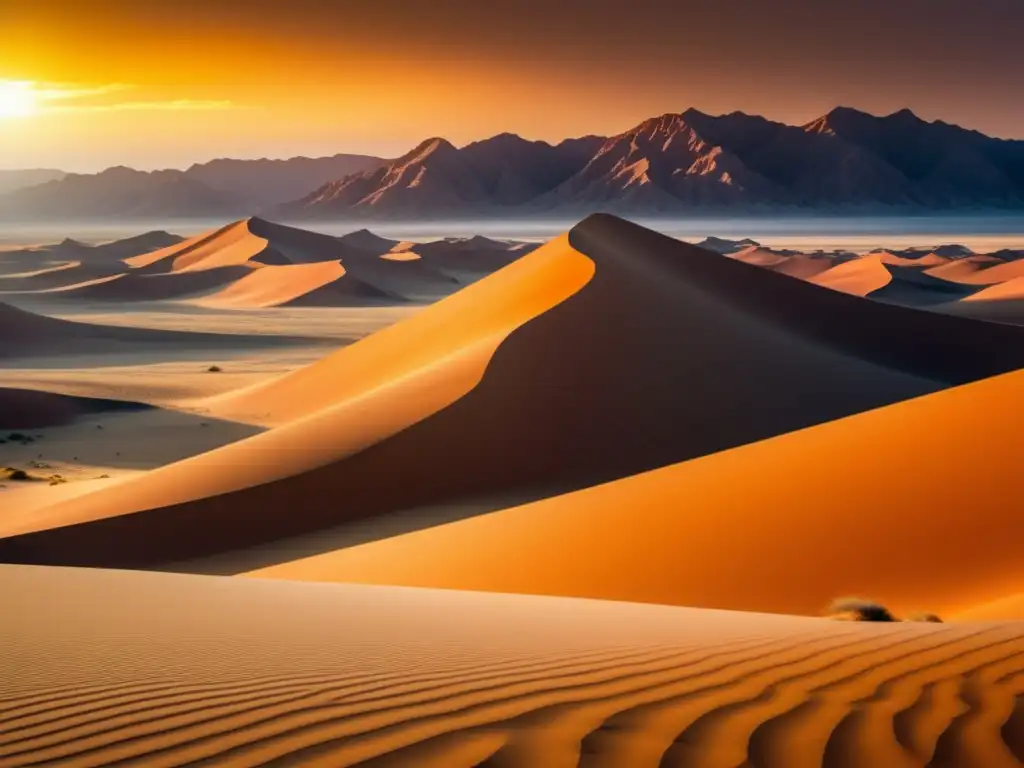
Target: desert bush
<point>924,616</point>
<point>214,369</point>
<point>857,609</point>
<point>13,473</point>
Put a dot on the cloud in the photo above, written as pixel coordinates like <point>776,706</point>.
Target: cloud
<point>54,97</point>
<point>64,91</point>
<point>150,106</point>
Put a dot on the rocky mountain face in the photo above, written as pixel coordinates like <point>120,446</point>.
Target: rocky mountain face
<point>845,160</point>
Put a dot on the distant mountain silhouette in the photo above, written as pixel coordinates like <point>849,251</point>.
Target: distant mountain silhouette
<point>261,183</point>
<point>13,180</point>
<point>119,193</point>
<point>215,189</point>
<point>845,160</point>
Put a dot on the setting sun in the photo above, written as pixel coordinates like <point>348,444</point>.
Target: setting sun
<point>17,99</point>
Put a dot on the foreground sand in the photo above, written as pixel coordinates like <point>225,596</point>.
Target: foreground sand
<point>161,670</point>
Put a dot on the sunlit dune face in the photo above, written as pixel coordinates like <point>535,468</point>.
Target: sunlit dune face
<point>17,99</point>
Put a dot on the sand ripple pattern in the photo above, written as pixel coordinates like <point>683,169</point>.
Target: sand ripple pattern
<point>156,670</point>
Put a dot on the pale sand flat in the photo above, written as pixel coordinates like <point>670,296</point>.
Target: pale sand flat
<point>161,670</point>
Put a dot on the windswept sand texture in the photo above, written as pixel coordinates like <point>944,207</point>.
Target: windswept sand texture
<point>160,669</point>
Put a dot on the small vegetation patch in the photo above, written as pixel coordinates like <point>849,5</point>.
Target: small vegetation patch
<point>862,609</point>
<point>17,475</point>
<point>858,609</point>
<point>924,616</point>
<point>214,369</point>
<point>19,437</point>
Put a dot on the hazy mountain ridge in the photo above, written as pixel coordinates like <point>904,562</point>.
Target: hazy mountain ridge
<point>221,187</point>
<point>11,181</point>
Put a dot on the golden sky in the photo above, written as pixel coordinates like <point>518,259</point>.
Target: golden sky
<point>166,84</point>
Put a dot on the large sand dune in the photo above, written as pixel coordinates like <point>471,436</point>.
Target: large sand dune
<point>160,670</point>
<point>536,380</point>
<point>914,504</point>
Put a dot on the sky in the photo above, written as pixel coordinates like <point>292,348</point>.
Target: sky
<point>162,84</point>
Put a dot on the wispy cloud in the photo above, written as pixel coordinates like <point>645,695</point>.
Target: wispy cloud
<point>78,97</point>
<point>149,106</point>
<point>63,91</point>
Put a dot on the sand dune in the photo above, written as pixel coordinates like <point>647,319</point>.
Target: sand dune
<point>529,383</point>
<point>1000,303</point>
<point>988,273</point>
<point>367,241</point>
<point>131,287</point>
<point>221,267</point>
<point>27,408</point>
<point>923,261</point>
<point>1010,290</point>
<point>760,257</point>
<point>859,277</point>
<point>55,278</point>
<point>233,245</point>
<point>323,284</point>
<point>781,525</point>
<point>916,288</point>
<point>803,267</point>
<point>156,669</point>
<point>959,269</point>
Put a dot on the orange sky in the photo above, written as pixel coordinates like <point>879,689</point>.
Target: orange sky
<point>134,84</point>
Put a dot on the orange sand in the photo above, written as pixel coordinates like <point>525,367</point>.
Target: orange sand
<point>162,670</point>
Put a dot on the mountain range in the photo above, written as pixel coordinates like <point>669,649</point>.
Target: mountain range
<point>845,161</point>
<point>215,189</point>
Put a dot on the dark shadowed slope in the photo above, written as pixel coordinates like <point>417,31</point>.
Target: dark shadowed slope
<point>28,335</point>
<point>32,409</point>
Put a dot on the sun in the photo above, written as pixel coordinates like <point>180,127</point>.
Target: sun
<point>17,99</point>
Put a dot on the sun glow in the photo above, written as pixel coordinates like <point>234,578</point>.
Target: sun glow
<point>17,99</point>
